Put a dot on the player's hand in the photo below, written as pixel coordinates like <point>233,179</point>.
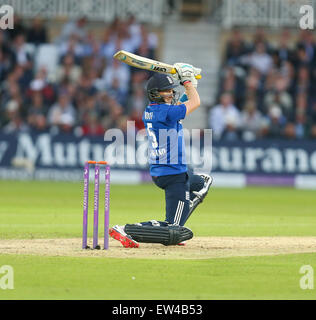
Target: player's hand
<point>194,81</point>
<point>175,76</point>
<point>185,71</point>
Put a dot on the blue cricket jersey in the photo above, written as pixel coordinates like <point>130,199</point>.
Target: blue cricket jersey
<point>166,149</point>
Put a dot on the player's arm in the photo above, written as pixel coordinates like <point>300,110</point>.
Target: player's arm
<point>187,79</point>
<point>193,101</point>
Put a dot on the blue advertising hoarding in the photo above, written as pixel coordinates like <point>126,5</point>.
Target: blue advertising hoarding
<point>61,157</point>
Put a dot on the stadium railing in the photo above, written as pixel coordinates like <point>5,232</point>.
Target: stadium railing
<point>150,11</point>
<point>276,13</point>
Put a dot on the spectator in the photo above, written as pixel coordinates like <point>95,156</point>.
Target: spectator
<point>70,88</point>
<point>19,28</point>
<point>4,66</point>
<point>251,121</point>
<point>111,30</point>
<point>136,115</point>
<point>95,76</point>
<point>235,48</point>
<point>93,90</point>
<point>312,112</point>
<point>279,97</point>
<point>93,60</point>
<point>137,100</point>
<point>135,106</point>
<point>11,91</point>
<point>116,78</point>
<point>301,124</point>
<point>15,120</point>
<point>301,101</point>
<point>68,70</point>
<point>259,37</point>
<point>122,124</point>
<point>233,81</point>
<point>88,104</point>
<point>138,79</point>
<point>22,56</point>
<point>260,59</point>
<point>40,84</point>
<point>22,76</point>
<point>75,29</point>
<point>303,83</point>
<point>3,41</point>
<point>37,33</point>
<point>313,131</point>
<point>148,43</point>
<point>7,52</point>
<point>72,47</point>
<point>119,40</point>
<point>91,125</point>
<point>118,92</point>
<point>62,113</point>
<point>110,111</point>
<point>283,51</point>
<point>135,30</point>
<point>300,57</point>
<point>276,122</point>
<point>37,112</point>
<point>279,82</point>
<point>254,86</point>
<point>287,70</point>
<point>224,118</point>
<point>66,123</point>
<point>307,43</point>
<point>289,131</point>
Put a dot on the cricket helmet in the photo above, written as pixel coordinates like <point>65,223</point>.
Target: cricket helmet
<point>159,82</point>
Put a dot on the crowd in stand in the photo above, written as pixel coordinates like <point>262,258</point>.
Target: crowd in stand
<point>266,91</point>
<point>87,93</point>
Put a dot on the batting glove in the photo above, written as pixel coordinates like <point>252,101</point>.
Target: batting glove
<point>185,71</point>
<point>194,81</point>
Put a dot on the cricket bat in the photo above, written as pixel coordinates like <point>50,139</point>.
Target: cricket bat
<point>148,64</point>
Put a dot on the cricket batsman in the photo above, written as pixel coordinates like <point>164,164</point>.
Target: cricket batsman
<point>184,191</point>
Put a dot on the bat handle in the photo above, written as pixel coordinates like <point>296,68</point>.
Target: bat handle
<point>198,76</point>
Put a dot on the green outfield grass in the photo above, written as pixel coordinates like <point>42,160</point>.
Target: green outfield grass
<point>51,210</point>
<point>273,277</point>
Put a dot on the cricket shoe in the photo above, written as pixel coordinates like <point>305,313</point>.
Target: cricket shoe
<point>203,192</point>
<point>118,233</point>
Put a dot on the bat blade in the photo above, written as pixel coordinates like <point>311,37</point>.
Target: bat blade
<point>143,63</point>
<point>148,64</point>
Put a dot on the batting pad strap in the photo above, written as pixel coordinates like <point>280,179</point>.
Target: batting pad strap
<point>169,235</point>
